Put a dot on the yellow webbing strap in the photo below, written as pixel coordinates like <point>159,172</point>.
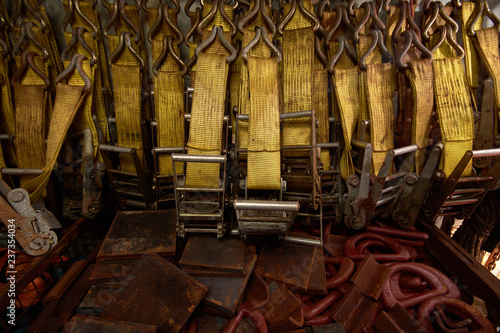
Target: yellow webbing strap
<point>298,62</point>
<point>207,115</point>
<point>264,167</point>
<point>471,54</point>
<point>347,91</point>
<point>453,106</point>
<point>320,106</point>
<point>67,103</point>
<point>30,121</point>
<point>487,44</point>
<point>83,119</point>
<point>445,50</point>
<point>7,119</point>
<point>421,77</point>
<point>381,86</point>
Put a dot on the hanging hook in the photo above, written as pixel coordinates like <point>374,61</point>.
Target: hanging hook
<point>125,41</point>
<point>168,47</point>
<point>319,52</point>
<point>376,19</point>
<point>310,16</point>
<point>208,18</point>
<point>336,56</point>
<point>83,43</point>
<point>430,22</point>
<point>442,37</point>
<point>95,30</point>
<point>364,20</point>
<point>119,9</point>
<point>452,41</point>
<point>217,32</point>
<point>411,38</point>
<point>287,17</point>
<point>192,31</point>
<point>71,44</point>
<point>484,9</point>
<point>67,18</point>
<point>409,17</point>
<point>180,36</point>
<point>76,62</point>
<point>336,24</point>
<point>27,34</point>
<point>28,60</point>
<point>399,25</point>
<point>224,15</point>
<point>268,19</point>
<point>261,33</point>
<point>350,7</point>
<point>36,14</point>
<point>250,15</point>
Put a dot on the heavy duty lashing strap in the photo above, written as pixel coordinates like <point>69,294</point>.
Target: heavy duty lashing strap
<point>7,118</point>
<point>68,101</point>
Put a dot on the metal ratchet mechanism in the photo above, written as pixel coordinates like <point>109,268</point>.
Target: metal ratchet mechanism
<point>34,224</point>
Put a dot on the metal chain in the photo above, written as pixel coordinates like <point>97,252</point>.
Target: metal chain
<point>496,256</point>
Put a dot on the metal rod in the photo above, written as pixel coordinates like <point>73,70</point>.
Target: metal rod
<point>328,145</point>
<point>405,150</point>
<point>486,153</point>
<point>21,171</point>
<point>167,150</point>
<point>286,206</point>
<point>198,158</point>
<point>116,149</point>
<point>303,241</point>
<point>298,114</point>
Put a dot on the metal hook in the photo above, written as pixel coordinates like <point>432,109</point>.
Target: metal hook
<point>83,43</point>
<point>319,52</point>
<point>180,36</point>
<point>321,8</point>
<point>399,25</point>
<point>443,32</point>
<point>208,18</point>
<point>157,23</point>
<point>15,13</point>
<point>37,14</point>
<point>95,30</point>
<point>76,62</point>
<point>362,23</point>
<point>350,7</point>
<point>346,20</point>
<point>457,3</point>
<point>260,32</point>
<point>338,20</point>
<point>268,19</point>
<point>309,15</point>
<point>430,22</point>
<point>385,5</point>
<point>28,60</point>
<point>217,32</point>
<point>67,18</point>
<point>288,17</point>
<point>168,48</point>
<point>341,40</point>
<point>411,38</point>
<point>192,31</point>
<point>483,8</point>
<point>362,60</point>
<point>119,8</point>
<point>376,19</point>
<point>409,18</point>
<point>71,44</point>
<point>187,6</point>
<point>250,15</point>
<point>5,48</point>
<point>125,41</point>
<point>226,18</point>
<point>27,33</point>
<point>383,48</point>
<point>452,41</point>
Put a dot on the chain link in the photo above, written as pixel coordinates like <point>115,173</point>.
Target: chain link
<point>496,257</point>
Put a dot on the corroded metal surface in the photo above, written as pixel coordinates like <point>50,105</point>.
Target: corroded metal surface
<point>282,304</point>
<point>156,293</point>
<point>204,252</point>
<point>371,277</point>
<point>317,281</point>
<point>397,320</point>
<point>112,270</point>
<point>95,324</point>
<point>133,233</point>
<point>257,292</point>
<point>96,298</point>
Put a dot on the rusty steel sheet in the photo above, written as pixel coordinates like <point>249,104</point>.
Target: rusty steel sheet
<point>282,304</point>
<point>225,293</point>
<point>97,298</point>
<point>211,323</point>
<point>205,252</point>
<point>355,310</point>
<point>81,323</point>
<point>317,281</point>
<point>334,245</point>
<point>257,292</point>
<point>286,262</point>
<point>104,271</point>
<point>156,293</point>
<point>133,233</point>
<point>397,320</point>
<point>371,277</point>
<point>291,323</point>
<point>329,328</point>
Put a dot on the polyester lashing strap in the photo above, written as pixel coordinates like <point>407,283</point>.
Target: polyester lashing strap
<point>264,167</point>
<point>67,103</point>
<point>453,106</point>
<point>471,54</point>
<point>7,118</point>
<point>30,102</point>
<point>322,111</point>
<point>381,86</point>
<point>347,91</point>
<point>298,62</point>
<point>421,78</point>
<point>487,42</point>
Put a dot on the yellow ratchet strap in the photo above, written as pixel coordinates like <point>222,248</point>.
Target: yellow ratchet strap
<point>472,63</point>
<point>487,44</point>
<point>298,62</point>
<point>421,77</point>
<point>30,101</point>
<point>453,106</point>
<point>320,106</point>
<point>381,85</point>
<point>67,103</point>
<point>264,166</point>
<point>7,118</point>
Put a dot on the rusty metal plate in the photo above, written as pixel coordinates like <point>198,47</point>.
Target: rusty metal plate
<point>97,298</point>
<point>225,293</point>
<point>102,325</point>
<point>112,270</point>
<point>354,311</point>
<point>329,328</point>
<point>156,293</point>
<point>398,319</point>
<point>257,292</point>
<point>282,304</point>
<point>133,233</point>
<point>206,252</point>
<point>317,281</point>
<point>371,277</point>
<point>211,323</point>
<point>290,324</point>
<point>286,262</point>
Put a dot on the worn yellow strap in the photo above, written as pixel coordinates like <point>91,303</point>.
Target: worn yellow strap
<point>264,167</point>
<point>471,54</point>
<point>347,91</point>
<point>421,78</point>
<point>381,86</point>
<point>7,119</point>
<point>487,42</point>
<point>207,115</point>
<point>320,106</point>
<point>453,106</point>
<point>68,101</point>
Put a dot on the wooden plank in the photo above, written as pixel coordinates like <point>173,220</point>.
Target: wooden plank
<point>472,277</point>
<point>65,281</point>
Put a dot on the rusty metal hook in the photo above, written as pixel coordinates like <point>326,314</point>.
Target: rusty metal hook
<point>27,34</point>
<point>484,8</point>
<point>250,15</point>
<point>446,17</point>
<point>168,48</point>
<point>192,31</point>
<point>36,14</point>
<point>217,32</point>
<point>119,9</point>
<point>362,23</point>
<point>321,8</point>
<point>376,19</point>
<point>430,22</point>
<point>67,18</point>
<point>163,14</point>
<point>95,30</point>
<point>319,52</point>
<point>287,18</point>
<point>125,41</point>
<point>187,6</point>
<point>411,38</point>
<point>350,7</point>
<point>71,44</point>
<point>157,23</point>
<point>444,321</point>
<point>268,19</point>
<point>261,33</point>
<point>362,60</point>
<point>453,42</point>
<point>226,18</point>
<point>180,36</point>
<point>399,25</point>
<point>409,17</point>
<point>309,15</point>
<point>28,60</point>
<point>383,48</point>
<point>443,32</point>
<point>76,62</point>
<point>341,40</point>
<point>83,43</point>
<point>338,20</point>
<point>208,18</point>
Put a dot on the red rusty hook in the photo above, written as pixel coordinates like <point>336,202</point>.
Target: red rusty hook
<point>344,273</point>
